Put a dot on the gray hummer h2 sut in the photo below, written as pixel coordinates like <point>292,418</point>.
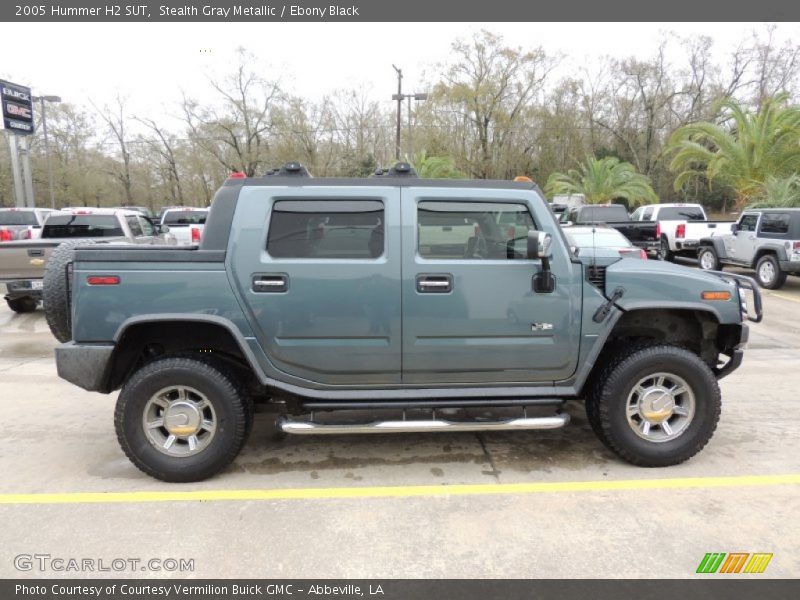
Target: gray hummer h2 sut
<point>413,302</point>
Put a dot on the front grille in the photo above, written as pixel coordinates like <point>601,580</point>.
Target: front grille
<point>597,277</point>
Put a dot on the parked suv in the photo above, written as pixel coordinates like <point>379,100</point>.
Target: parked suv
<point>767,240</point>
<point>400,297</point>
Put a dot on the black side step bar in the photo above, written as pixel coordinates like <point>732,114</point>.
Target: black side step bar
<point>422,404</point>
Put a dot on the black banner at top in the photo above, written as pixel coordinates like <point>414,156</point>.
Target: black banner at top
<point>393,10</point>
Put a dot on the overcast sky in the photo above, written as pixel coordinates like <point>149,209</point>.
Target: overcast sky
<point>152,62</point>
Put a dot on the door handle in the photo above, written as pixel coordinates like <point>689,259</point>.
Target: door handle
<point>270,283</point>
<point>34,253</point>
<point>434,283</point>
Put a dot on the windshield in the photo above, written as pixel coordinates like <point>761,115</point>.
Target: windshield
<point>599,239</point>
<point>183,218</point>
<point>681,213</point>
<point>17,217</point>
<point>77,226</point>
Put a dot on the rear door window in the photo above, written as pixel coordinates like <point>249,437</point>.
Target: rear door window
<point>326,229</point>
<point>775,223</point>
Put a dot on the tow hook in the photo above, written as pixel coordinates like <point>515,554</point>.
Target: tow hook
<point>602,311</point>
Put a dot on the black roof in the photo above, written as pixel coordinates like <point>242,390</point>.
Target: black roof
<point>484,184</point>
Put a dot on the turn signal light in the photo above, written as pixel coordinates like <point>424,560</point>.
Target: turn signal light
<point>102,280</point>
<point>680,231</point>
<point>195,235</point>
<point>5,235</point>
<point>523,179</point>
<point>237,175</point>
<point>716,295</point>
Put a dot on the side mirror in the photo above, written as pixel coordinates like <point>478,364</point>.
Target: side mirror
<point>734,228</point>
<point>163,228</point>
<point>539,247</point>
<point>539,244</point>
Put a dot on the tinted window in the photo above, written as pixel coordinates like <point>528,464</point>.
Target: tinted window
<point>75,226</point>
<point>17,217</point>
<point>595,214</point>
<point>184,218</point>
<point>326,229</point>
<point>748,223</point>
<point>777,223</point>
<point>473,230</point>
<point>681,213</point>
<point>133,224</point>
<point>648,215</point>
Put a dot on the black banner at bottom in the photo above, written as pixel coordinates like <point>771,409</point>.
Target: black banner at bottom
<point>732,588</point>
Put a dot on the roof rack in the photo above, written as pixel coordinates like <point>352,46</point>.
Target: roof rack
<point>400,169</point>
<point>290,169</point>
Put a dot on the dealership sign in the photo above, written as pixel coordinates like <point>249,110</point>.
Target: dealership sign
<point>17,108</point>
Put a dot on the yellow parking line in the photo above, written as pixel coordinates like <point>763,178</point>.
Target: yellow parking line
<point>400,491</point>
<point>783,297</point>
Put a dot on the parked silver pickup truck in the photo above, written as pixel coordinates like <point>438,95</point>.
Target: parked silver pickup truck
<point>22,262</point>
<point>22,223</point>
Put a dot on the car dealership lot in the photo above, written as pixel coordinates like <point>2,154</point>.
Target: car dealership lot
<point>59,440</point>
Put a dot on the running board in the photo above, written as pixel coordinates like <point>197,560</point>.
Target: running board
<point>314,428</point>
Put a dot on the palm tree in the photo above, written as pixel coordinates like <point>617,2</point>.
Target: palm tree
<point>743,150</point>
<point>778,192</point>
<point>603,180</point>
<point>436,167</point>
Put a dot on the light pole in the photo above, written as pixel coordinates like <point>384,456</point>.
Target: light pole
<point>44,99</point>
<point>399,97</point>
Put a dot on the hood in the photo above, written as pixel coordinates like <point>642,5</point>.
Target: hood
<point>659,284</point>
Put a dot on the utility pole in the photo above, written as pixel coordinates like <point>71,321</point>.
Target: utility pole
<point>19,190</point>
<point>399,97</point>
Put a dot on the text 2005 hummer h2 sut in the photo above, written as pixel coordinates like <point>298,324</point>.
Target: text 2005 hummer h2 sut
<point>398,298</point>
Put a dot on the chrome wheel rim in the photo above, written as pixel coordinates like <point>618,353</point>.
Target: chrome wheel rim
<point>660,407</point>
<point>766,272</point>
<point>707,261</point>
<point>179,421</point>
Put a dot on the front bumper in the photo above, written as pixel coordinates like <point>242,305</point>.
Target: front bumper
<point>736,356</point>
<point>84,365</point>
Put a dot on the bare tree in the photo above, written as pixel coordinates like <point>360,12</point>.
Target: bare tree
<point>116,120</point>
<point>164,145</point>
<point>237,132</point>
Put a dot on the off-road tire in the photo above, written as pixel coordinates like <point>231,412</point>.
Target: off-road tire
<point>780,276</point>
<point>230,401</point>
<point>55,289</point>
<point>24,304</point>
<point>606,404</point>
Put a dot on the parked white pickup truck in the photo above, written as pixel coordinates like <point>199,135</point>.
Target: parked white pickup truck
<point>185,223</point>
<point>681,226</point>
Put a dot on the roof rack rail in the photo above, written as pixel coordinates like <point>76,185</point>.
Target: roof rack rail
<point>290,169</point>
<point>400,169</point>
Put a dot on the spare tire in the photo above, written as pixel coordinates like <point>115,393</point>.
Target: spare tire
<point>55,288</point>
